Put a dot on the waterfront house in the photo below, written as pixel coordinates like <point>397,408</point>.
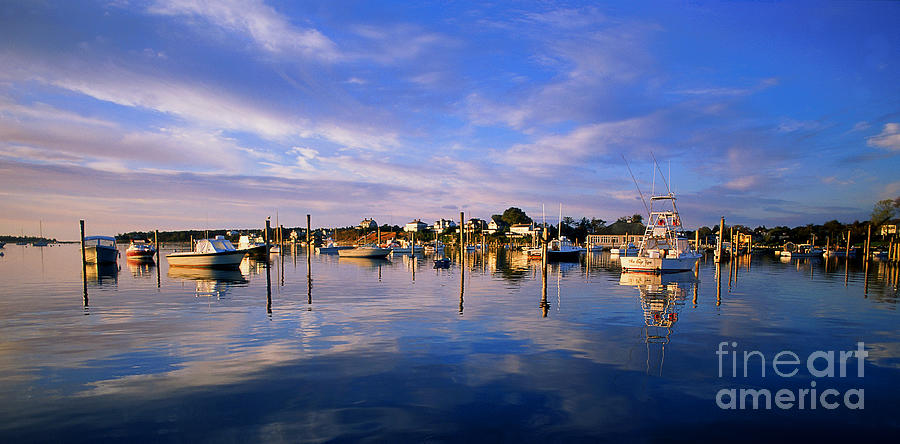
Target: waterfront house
<point>517,230</point>
<point>368,224</point>
<point>496,225</point>
<point>475,224</point>
<point>415,226</point>
<point>889,227</point>
<point>443,224</point>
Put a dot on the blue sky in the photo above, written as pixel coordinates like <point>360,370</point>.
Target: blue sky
<point>178,114</point>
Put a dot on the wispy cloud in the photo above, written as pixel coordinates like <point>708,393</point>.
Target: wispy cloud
<point>889,138</point>
<point>268,29</point>
<point>729,91</point>
<point>203,104</point>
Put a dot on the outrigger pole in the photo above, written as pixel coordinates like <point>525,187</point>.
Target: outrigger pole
<point>646,208</point>
<point>660,173</point>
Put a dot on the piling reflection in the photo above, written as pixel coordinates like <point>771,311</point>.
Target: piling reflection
<point>209,282</point>
<point>309,279</point>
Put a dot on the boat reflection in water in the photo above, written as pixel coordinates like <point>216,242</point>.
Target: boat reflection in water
<point>366,262</point>
<point>105,274</point>
<point>251,266</point>
<point>210,282</point>
<point>141,268</point>
<point>662,296</point>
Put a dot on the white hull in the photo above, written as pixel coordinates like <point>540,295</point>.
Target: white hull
<point>797,254</point>
<point>659,265</point>
<point>330,250</point>
<point>100,255</point>
<point>372,252</point>
<point>407,250</point>
<point>190,259</point>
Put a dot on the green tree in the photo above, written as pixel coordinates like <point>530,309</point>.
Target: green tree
<point>514,215</point>
<point>884,210</point>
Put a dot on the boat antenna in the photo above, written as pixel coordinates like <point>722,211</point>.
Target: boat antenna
<point>661,174</point>
<point>638,187</point>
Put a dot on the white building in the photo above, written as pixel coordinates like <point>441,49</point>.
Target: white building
<point>525,230</point>
<point>415,226</point>
<point>890,227</point>
<point>495,225</point>
<point>368,224</point>
<point>443,224</point>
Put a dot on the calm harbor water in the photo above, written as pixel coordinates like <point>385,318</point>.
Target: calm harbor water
<point>350,350</point>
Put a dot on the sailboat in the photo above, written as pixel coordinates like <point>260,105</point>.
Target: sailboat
<point>664,247</point>
<point>41,242</point>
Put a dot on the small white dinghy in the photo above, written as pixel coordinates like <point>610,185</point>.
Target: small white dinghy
<point>211,253</point>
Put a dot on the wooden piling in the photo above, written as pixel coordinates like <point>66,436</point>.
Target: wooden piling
<point>462,242</point>
<point>308,231</point>
<point>83,254</point>
<point>266,237</point>
<point>719,239</point>
<point>868,240</point>
<point>848,245</point>
<point>156,244</point>
<point>731,250</point>
<point>83,264</point>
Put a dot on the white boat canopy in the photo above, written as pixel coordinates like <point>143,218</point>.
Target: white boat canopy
<point>106,241</point>
<point>217,245</point>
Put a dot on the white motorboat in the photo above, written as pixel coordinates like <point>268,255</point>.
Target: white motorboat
<point>434,247</point>
<point>562,250</point>
<point>625,250</point>
<point>404,247</point>
<point>253,247</point>
<point>100,250</point>
<point>212,253</point>
<point>140,250</point>
<point>330,247</point>
<point>664,248</point>
<point>801,250</point>
<point>369,251</point>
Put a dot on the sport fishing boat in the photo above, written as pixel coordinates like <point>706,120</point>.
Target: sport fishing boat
<point>212,253</point>
<point>140,250</point>
<point>664,248</point>
<point>100,249</point>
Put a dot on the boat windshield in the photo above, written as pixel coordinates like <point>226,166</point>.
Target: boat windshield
<point>214,245</point>
<point>99,241</point>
